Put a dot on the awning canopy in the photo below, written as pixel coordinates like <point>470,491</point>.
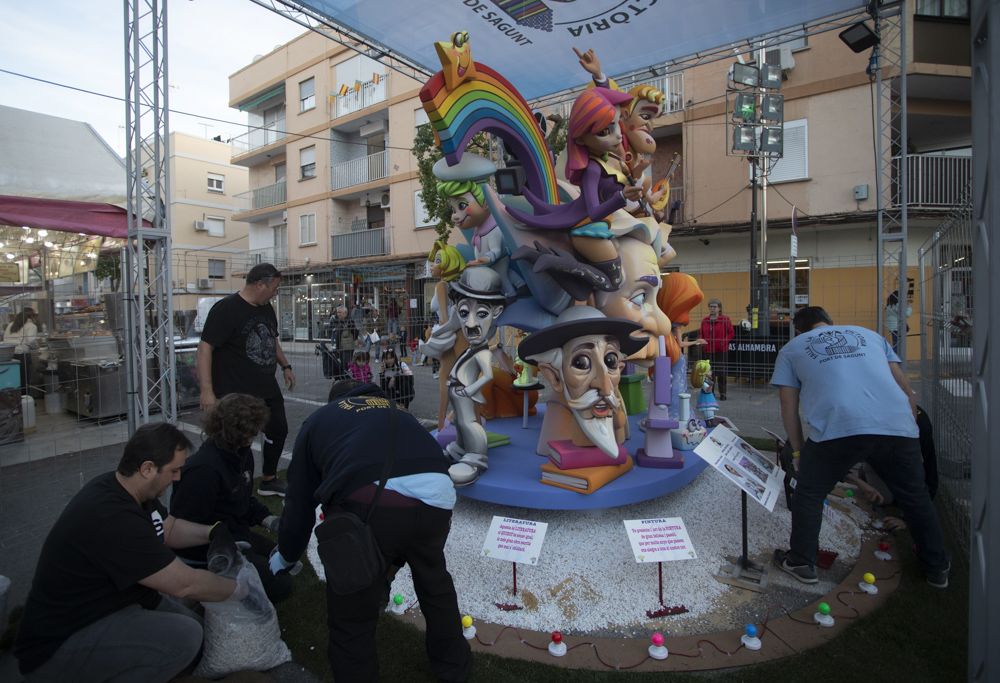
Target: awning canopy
<point>106,220</point>
<point>530,42</point>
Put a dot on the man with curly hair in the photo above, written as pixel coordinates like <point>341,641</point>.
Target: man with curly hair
<point>217,486</point>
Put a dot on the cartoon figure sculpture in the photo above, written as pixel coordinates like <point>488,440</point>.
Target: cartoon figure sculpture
<point>581,357</point>
<point>478,303</point>
<point>446,264</point>
<point>594,163</point>
<point>701,376</point>
<point>469,212</point>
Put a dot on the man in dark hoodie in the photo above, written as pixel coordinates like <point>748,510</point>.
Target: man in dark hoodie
<point>338,458</point>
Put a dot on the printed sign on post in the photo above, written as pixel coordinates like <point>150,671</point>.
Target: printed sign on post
<point>659,540</point>
<point>515,540</point>
<point>743,465</point>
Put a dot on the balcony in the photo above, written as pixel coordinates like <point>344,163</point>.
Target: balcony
<point>360,171</point>
<point>355,100</point>
<point>672,87</point>
<point>261,197</point>
<point>258,137</point>
<point>276,256</point>
<point>934,180</point>
<point>371,242</point>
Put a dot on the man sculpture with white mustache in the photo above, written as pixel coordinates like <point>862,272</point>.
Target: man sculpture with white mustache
<point>581,357</point>
<point>479,301</point>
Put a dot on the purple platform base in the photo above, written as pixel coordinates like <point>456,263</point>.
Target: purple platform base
<point>515,470</point>
<point>674,463</point>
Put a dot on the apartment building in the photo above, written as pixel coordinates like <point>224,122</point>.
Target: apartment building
<point>334,191</point>
<point>333,185</point>
<point>208,248</point>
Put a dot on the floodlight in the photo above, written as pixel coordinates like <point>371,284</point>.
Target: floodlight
<point>859,37</point>
<point>745,107</point>
<point>772,108</point>
<point>510,180</point>
<point>772,140</point>
<point>744,139</point>
<point>744,74</point>
<point>771,76</point>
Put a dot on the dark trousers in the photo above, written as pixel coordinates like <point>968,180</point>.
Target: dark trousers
<point>896,460</point>
<point>275,432</point>
<point>408,535</point>
<point>24,360</point>
<point>718,361</point>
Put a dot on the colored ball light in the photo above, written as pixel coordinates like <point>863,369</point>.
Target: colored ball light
<point>397,599</point>
<point>883,546</point>
<point>823,609</point>
<point>849,493</point>
<point>657,639</point>
<point>751,631</point>
<point>868,578</point>
<point>466,621</point>
<point>556,637</point>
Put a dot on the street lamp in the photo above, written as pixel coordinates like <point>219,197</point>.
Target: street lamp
<point>772,140</point>
<point>745,107</point>
<point>859,37</point>
<point>744,74</point>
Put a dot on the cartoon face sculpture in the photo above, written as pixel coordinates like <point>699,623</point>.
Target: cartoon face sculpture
<point>638,126</point>
<point>466,212</point>
<point>477,318</point>
<point>636,299</point>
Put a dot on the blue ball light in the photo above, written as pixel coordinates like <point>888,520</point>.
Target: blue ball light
<point>751,631</point>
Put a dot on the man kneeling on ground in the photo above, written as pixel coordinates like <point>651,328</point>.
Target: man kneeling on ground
<point>103,604</point>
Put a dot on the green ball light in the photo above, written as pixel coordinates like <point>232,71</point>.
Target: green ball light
<point>397,599</point>
<point>823,609</point>
<point>849,493</point>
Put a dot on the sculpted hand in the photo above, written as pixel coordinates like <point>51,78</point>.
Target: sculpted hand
<point>590,63</point>
<point>632,192</point>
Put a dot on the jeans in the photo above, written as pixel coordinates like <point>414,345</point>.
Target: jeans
<point>414,536</point>
<point>896,460</point>
<point>131,645</point>
<point>274,434</point>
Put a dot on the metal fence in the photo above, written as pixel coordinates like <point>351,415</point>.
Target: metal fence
<point>946,317</point>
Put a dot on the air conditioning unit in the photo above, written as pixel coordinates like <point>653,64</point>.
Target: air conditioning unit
<point>200,226</point>
<point>781,55</point>
<point>204,283</point>
<point>384,203</point>
<point>284,216</point>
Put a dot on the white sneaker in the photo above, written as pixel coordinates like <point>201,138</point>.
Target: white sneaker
<point>463,474</point>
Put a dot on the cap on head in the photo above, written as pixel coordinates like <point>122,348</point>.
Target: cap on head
<point>262,271</point>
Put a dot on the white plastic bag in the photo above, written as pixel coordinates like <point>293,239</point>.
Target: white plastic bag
<point>242,636</point>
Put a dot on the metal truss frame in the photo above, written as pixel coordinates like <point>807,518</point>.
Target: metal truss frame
<point>149,347</point>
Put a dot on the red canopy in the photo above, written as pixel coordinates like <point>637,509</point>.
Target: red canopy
<point>57,214</point>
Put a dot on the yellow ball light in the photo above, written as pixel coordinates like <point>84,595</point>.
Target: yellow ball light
<point>868,578</point>
<point>466,621</point>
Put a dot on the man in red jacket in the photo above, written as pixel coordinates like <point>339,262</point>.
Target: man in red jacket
<point>717,330</point>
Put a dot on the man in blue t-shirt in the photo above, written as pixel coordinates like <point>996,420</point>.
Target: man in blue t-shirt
<point>858,407</point>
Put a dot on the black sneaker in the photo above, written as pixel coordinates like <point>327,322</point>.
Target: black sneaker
<point>271,487</point>
<point>802,573</point>
<point>939,578</point>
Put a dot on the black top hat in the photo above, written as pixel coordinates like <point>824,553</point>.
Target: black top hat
<point>580,321</point>
<point>478,282</point>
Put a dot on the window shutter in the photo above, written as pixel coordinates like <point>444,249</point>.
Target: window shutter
<point>794,164</point>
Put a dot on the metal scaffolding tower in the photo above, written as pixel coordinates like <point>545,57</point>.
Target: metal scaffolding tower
<point>149,348</point>
<point>888,66</point>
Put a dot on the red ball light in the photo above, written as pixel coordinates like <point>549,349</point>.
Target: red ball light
<point>556,637</point>
<point>883,546</point>
<point>657,639</point>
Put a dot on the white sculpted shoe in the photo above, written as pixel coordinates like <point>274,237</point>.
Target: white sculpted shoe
<point>463,474</point>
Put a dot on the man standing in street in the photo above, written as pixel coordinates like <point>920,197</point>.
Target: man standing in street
<point>340,451</point>
<point>717,331</point>
<point>859,407</point>
<point>239,352</point>
<point>343,337</point>
<point>101,605</point>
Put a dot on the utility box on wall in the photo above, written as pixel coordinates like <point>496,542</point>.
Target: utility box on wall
<point>860,193</point>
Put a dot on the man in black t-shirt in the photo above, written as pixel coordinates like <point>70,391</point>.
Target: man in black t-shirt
<point>239,352</point>
<point>95,610</point>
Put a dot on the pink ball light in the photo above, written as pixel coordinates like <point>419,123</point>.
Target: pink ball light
<point>657,639</point>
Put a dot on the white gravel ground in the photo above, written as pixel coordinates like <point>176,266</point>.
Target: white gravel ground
<point>587,580</point>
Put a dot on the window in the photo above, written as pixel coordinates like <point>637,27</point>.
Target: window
<point>307,229</point>
<point>421,217</point>
<point>307,95</point>
<point>216,226</point>
<point>216,268</point>
<point>943,8</point>
<point>216,183</point>
<point>420,117</point>
<point>279,173</point>
<point>307,162</point>
<point>794,165</point>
